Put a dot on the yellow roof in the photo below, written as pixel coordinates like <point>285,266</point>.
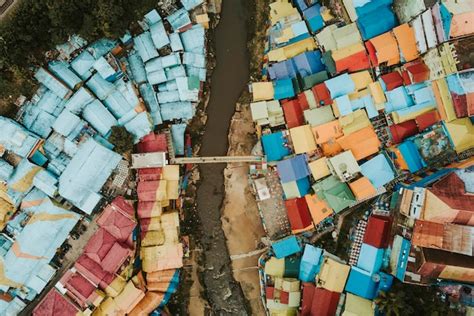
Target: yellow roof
<point>403,116</point>
<point>319,168</point>
<point>347,51</point>
<point>354,121</point>
<point>362,79</point>
<point>303,140</point>
<point>462,134</point>
<point>377,93</point>
<point>333,275</point>
<point>443,100</point>
<point>171,172</point>
<point>357,306</point>
<point>129,297</point>
<point>172,189</point>
<point>262,91</point>
<point>280,9</point>
<point>275,267</point>
<point>289,51</point>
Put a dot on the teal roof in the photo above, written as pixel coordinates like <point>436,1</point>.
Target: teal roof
<point>175,42</point>
<point>6,170</point>
<point>145,47</point>
<point>194,39</point>
<point>82,64</point>
<point>99,117</point>
<point>141,125</point>
<point>62,71</point>
<point>191,4</point>
<point>152,17</point>
<point>149,96</point>
<point>177,110</point>
<point>158,35</point>
<point>99,86</point>
<point>52,83</point>
<point>16,138</point>
<point>66,123</point>
<point>79,100</point>
<point>137,67</point>
<point>179,19</point>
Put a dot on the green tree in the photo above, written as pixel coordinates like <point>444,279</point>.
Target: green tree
<point>393,303</point>
<point>121,139</point>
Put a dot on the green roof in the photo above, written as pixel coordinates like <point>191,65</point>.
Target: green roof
<point>336,193</point>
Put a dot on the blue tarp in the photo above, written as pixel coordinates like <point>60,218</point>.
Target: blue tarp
<point>293,169</point>
<point>360,283</point>
<point>412,156</point>
<point>283,89</point>
<point>177,134</point>
<point>370,258</point>
<point>310,263</point>
<point>275,146</point>
<point>286,247</point>
<point>378,171</point>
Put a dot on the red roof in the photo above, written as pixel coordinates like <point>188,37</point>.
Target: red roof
<point>324,302</point>
<point>152,143</point>
<point>284,297</point>
<point>355,62</point>
<point>452,191</point>
<point>298,213</point>
<point>79,288</point>
<point>54,304</point>
<point>303,101</point>
<point>377,231</point>
<point>322,94</point>
<point>293,113</point>
<point>307,298</point>
<point>470,103</point>
<point>93,271</point>
<point>149,174</point>
<point>427,119</point>
<point>269,292</point>
<point>418,71</point>
<point>117,219</point>
<point>403,130</point>
<point>406,78</point>
<point>116,256</point>
<point>392,80</point>
<point>460,104</point>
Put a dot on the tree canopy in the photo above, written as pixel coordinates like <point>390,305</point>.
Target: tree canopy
<point>121,139</point>
<point>36,26</point>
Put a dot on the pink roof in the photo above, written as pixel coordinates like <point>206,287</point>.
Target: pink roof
<point>80,288</point>
<point>54,304</point>
<point>149,174</point>
<point>146,190</point>
<point>93,271</point>
<point>153,143</point>
<point>145,209</point>
<point>115,257</point>
<point>116,220</point>
<point>99,245</point>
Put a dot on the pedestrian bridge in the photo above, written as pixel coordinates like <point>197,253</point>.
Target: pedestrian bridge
<point>216,159</point>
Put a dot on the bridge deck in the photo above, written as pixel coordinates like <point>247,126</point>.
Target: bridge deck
<point>217,159</point>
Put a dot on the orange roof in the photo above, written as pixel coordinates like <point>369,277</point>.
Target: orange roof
<point>331,148</point>
<point>406,41</point>
<point>362,188</point>
<point>318,208</point>
<point>362,143</point>
<point>383,48</point>
<point>328,131</point>
<point>462,24</point>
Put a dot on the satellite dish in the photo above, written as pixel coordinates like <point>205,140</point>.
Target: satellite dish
<point>376,277</point>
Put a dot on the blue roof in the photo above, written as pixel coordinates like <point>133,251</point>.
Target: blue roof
<point>159,35</point>
<point>175,42</point>
<point>282,70</point>
<point>313,16</point>
<point>360,283</point>
<point>375,18</point>
<point>118,104</point>
<point>99,117</point>
<point>293,169</point>
<point>20,183</point>
<point>16,138</point>
<point>143,43</point>
<point>402,257</point>
<point>310,263</point>
<point>137,67</point>
<point>6,170</point>
<point>275,146</point>
<point>177,110</point>
<point>303,185</point>
<point>149,96</point>
<point>411,155</point>
<point>283,89</point>
<point>99,86</point>
<point>286,247</point>
<point>340,85</point>
<point>193,39</point>
<point>370,258</point>
<point>53,84</point>
<point>179,19</point>
<point>82,64</point>
<point>79,100</point>
<point>385,284</point>
<point>397,99</point>
<point>62,71</point>
<point>191,4</point>
<point>37,120</point>
<point>152,17</point>
<point>101,47</point>
<point>308,63</point>
<point>66,123</point>
<point>140,126</point>
<point>177,134</point>
<point>378,171</point>
<point>86,173</point>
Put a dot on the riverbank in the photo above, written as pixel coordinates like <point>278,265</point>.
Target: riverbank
<point>241,221</point>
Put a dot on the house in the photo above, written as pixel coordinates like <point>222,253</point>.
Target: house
<point>286,247</point>
<point>370,258</point>
<point>275,146</point>
<point>293,113</point>
<point>383,49</point>
<point>262,91</point>
<point>361,143</point>
<point>439,264</point>
<point>378,171</point>
<point>293,169</point>
<point>336,193</point>
<point>361,283</point>
<point>333,275</point>
<point>318,116</point>
<point>377,231</point>
<point>327,132</point>
<point>406,42</point>
<point>357,306</point>
<point>461,132</point>
<point>55,304</point>
<point>373,17</point>
<point>310,263</point>
<point>362,189</point>
<point>344,166</point>
<point>403,130</point>
<point>17,139</point>
<point>283,89</point>
<point>318,208</point>
<point>324,302</point>
<point>303,140</point>
<point>298,215</point>
<point>319,168</point>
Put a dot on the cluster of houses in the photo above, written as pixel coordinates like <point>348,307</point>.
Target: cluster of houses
<point>58,170</point>
<point>354,101</point>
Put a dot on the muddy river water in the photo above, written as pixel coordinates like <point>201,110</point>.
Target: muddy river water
<point>228,80</point>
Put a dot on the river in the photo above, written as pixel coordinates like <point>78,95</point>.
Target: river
<point>229,78</point>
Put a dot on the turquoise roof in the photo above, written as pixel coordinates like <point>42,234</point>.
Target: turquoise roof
<point>99,117</point>
<point>175,42</point>
<point>141,125</point>
<point>158,35</point>
<point>177,110</point>
<point>179,19</point>
<point>16,138</point>
<point>194,39</point>
<point>145,47</point>
<point>100,87</point>
<point>82,64</point>
<point>6,170</point>
<point>52,83</point>
<point>152,17</point>
<point>137,67</point>
<point>66,123</point>
<point>149,96</point>
<point>79,100</point>
<point>62,71</point>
